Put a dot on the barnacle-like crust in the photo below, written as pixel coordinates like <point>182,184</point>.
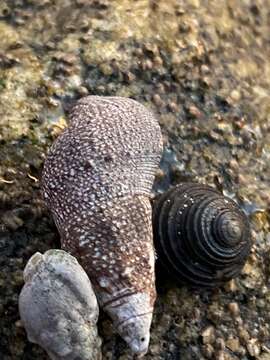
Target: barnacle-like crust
<point>58,307</point>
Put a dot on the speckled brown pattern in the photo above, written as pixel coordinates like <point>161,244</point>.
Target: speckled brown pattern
<point>97,182</point>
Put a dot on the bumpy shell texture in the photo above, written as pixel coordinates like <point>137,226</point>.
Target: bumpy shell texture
<point>97,182</point>
<point>201,237</point>
<point>58,307</point>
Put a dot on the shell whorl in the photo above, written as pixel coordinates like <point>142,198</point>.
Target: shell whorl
<point>97,181</point>
<point>201,237</point>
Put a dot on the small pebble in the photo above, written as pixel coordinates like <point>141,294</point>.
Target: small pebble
<point>129,77</point>
<point>233,344</point>
<point>233,308</point>
<point>157,100</point>
<point>173,106</point>
<point>234,165</point>
<point>208,335</point>
<point>235,95</point>
<point>194,112</point>
<point>253,347</point>
<point>147,65</point>
<point>220,344</point>
<point>208,351</point>
<point>230,286</point>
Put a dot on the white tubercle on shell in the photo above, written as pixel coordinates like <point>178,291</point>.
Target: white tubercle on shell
<point>58,307</point>
<point>97,182</point>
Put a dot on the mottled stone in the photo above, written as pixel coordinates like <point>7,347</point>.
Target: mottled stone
<point>58,307</point>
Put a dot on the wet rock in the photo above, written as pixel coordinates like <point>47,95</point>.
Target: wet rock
<point>205,71</point>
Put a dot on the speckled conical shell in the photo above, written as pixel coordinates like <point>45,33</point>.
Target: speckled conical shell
<point>97,182</point>
<point>201,237</point>
<point>58,307</point>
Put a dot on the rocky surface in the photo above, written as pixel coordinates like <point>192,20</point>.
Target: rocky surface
<point>203,67</point>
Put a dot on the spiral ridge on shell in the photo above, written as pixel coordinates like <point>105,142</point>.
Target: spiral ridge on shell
<point>201,237</point>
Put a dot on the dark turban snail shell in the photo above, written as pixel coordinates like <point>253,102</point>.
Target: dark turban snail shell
<point>201,237</point>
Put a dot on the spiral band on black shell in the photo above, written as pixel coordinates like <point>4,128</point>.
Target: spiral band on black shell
<point>201,237</point>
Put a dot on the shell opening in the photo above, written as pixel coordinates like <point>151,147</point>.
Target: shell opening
<point>136,332</point>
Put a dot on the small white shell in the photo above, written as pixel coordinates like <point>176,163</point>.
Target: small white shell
<point>58,307</point>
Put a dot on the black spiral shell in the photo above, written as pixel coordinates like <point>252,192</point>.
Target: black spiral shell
<point>201,237</point>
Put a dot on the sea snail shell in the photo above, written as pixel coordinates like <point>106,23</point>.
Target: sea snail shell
<point>201,237</point>
<point>97,181</point>
<point>58,307</point>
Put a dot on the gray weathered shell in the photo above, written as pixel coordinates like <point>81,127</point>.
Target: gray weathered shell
<point>97,181</point>
<point>58,307</point>
<point>201,237</point>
